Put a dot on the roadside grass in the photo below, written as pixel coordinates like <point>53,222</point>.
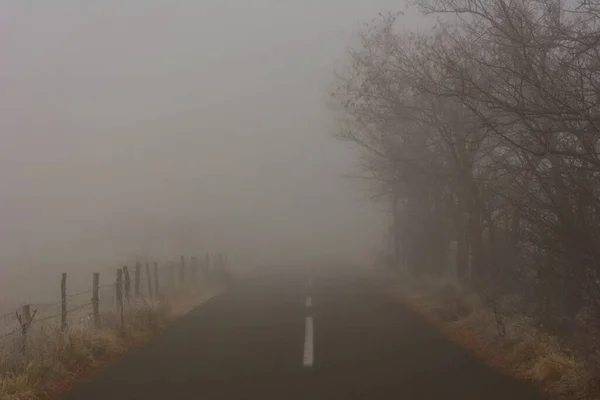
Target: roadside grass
<point>54,360</point>
<point>512,344</point>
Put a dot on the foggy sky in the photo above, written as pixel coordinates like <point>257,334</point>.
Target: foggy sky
<point>152,127</point>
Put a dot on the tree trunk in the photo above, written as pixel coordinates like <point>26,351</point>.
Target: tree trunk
<point>396,231</point>
<point>476,241</point>
<point>462,241</point>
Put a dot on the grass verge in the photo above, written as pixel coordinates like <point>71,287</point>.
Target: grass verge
<point>512,344</point>
<point>54,360</point>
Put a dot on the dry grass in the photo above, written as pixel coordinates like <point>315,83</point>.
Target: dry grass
<point>513,345</point>
<point>54,360</point>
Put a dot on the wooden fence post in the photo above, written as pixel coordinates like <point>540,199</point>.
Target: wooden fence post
<point>138,274</point>
<point>25,319</point>
<point>172,276</point>
<point>200,268</point>
<point>207,264</point>
<point>194,270</point>
<point>219,267</point>
<point>149,277</point>
<point>226,266</point>
<point>27,313</point>
<point>63,302</point>
<point>182,271</point>
<point>156,281</point>
<point>127,283</point>
<point>119,287</point>
<point>96,300</point>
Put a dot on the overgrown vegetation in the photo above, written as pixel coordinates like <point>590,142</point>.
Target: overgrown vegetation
<point>483,135</point>
<point>54,359</point>
<point>515,344</point>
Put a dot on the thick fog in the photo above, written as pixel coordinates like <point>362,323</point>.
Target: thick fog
<point>158,128</point>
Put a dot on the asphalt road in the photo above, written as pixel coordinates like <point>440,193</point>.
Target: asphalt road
<point>311,336</point>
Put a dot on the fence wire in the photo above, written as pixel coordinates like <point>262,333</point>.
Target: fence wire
<point>47,318</point>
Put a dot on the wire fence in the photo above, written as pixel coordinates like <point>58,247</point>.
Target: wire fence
<point>143,286</point>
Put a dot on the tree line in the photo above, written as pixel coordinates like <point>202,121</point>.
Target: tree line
<point>483,136</point>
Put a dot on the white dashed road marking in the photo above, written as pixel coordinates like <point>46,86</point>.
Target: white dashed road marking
<point>308,343</point>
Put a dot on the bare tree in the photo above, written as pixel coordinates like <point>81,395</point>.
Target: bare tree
<point>486,132</point>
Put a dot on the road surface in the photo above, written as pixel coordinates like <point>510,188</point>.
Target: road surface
<point>323,336</point>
